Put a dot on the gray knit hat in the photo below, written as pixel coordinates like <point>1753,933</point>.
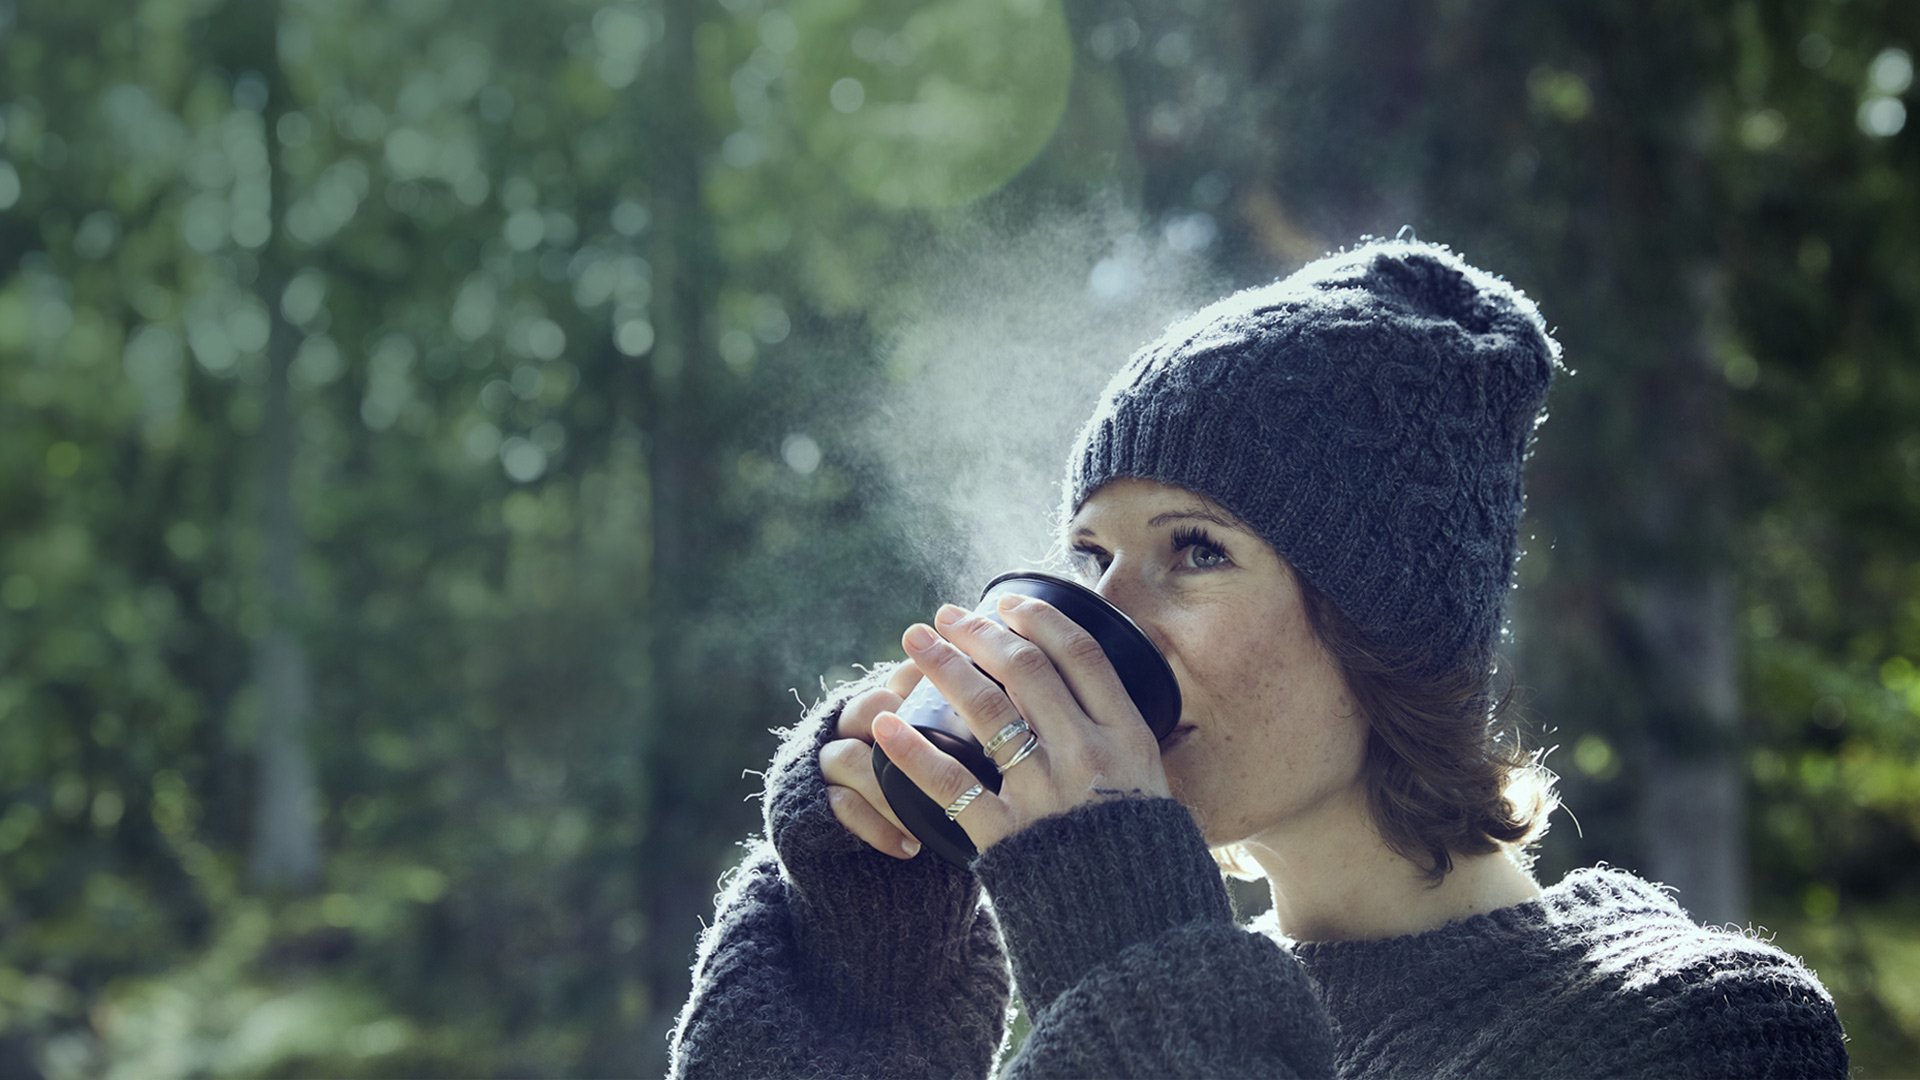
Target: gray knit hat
<point>1369,416</point>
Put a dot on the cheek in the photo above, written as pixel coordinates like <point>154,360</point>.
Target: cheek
<point>1248,674</point>
<point>1278,733</point>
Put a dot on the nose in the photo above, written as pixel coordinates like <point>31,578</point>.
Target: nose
<point>1124,589</point>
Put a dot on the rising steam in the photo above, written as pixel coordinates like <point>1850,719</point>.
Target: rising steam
<point>997,348</point>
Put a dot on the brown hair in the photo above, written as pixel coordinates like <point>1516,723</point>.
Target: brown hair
<point>1445,770</point>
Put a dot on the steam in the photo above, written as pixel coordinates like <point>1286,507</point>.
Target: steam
<point>998,345</point>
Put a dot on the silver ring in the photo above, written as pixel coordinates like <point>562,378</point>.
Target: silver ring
<point>1032,744</point>
<point>966,799</point>
<point>1007,735</point>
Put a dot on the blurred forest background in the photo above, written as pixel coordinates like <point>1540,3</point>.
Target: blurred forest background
<point>437,440</point>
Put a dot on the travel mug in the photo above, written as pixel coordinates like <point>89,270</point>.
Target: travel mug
<point>1143,671</point>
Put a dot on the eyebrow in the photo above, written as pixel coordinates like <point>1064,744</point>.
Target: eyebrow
<point>1195,514</point>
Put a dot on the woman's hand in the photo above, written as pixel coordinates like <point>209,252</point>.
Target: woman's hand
<point>847,763</point>
<point>1093,743</point>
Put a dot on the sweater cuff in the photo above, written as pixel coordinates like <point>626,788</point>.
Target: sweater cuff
<point>877,930</point>
<point>1074,890</point>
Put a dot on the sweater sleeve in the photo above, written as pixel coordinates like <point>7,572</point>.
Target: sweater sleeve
<point>827,958</point>
<point>1127,956</point>
<point>1745,1009</point>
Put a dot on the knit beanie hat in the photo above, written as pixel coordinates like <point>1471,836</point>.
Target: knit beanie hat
<point>1368,416</point>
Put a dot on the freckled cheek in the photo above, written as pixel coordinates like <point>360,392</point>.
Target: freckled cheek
<point>1227,674</point>
<point>1268,737</point>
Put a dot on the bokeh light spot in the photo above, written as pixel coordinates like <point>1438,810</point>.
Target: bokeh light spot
<point>1594,756</point>
<point>738,350</point>
<point>97,235</point>
<point>634,337</point>
<point>248,326</point>
<point>955,99</point>
<point>318,361</point>
<point>778,32</point>
<point>525,229</point>
<point>1763,129</point>
<point>1741,371</point>
<point>1191,233</point>
<point>409,153</point>
<point>1815,50</point>
<point>545,339</point>
<point>770,322</point>
<point>522,459</point>
<point>630,218</point>
<point>108,807</point>
<point>847,95</point>
<point>482,440</point>
<point>1891,72</point>
<point>303,297</point>
<point>1560,94</point>
<point>1882,117</point>
<point>801,453</point>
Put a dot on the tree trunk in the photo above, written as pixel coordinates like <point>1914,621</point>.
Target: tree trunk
<point>286,835</point>
<point>1693,800</point>
<point>285,853</point>
<point>1683,621</point>
<point>676,402</point>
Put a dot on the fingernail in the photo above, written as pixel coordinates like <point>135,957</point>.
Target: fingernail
<point>919,637</point>
<point>911,847</point>
<point>949,614</point>
<point>1011,601</point>
<point>888,726</point>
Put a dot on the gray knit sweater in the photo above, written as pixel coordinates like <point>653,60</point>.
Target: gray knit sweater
<point>828,959</point>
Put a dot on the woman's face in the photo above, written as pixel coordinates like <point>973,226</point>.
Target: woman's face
<point>1268,735</point>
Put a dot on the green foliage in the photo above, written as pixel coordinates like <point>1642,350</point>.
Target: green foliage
<point>589,313</point>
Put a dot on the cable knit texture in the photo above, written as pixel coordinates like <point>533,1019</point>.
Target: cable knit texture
<point>1369,416</point>
<point>1129,961</point>
<point>828,959</point>
<point>1604,975</point>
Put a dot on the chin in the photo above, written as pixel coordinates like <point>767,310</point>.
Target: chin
<point>1210,826</point>
<point>1184,793</point>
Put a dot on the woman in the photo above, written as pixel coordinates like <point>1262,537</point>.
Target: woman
<point>1309,496</point>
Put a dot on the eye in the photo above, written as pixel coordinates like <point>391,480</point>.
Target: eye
<point>1206,554</point>
<point>1088,561</point>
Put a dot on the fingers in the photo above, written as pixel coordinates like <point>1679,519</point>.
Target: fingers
<point>848,763</point>
<point>983,705</point>
<point>904,679</point>
<point>1049,665</point>
<point>867,823</point>
<point>853,791</point>
<point>1074,655</point>
<point>942,778</point>
<point>856,719</point>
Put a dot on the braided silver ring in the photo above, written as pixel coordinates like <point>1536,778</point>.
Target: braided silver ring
<point>1007,734</point>
<point>1026,750</point>
<point>966,799</point>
